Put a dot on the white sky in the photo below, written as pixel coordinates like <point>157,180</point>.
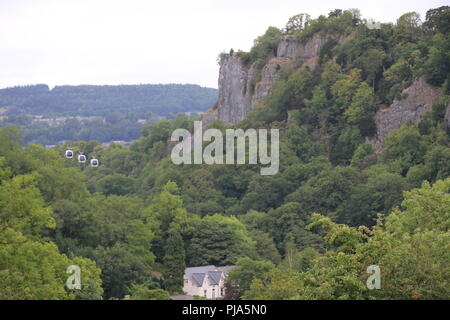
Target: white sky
<point>135,41</point>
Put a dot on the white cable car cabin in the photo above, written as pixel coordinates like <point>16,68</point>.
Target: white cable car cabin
<point>81,158</point>
<point>94,163</point>
<point>69,154</point>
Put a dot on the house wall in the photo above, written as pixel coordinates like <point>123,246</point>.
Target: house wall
<point>192,289</point>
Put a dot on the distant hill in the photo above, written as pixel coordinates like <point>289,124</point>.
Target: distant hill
<point>93,100</point>
<point>102,113</point>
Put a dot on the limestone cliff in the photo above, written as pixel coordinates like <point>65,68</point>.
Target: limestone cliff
<point>292,47</point>
<point>418,99</point>
<point>234,97</point>
<point>241,87</point>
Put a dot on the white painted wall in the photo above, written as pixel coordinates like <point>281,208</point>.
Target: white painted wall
<point>192,289</point>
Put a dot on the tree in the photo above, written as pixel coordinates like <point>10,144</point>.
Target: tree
<point>166,212</point>
<point>141,292</point>
<point>219,240</point>
<point>22,207</point>
<point>380,194</point>
<point>117,184</point>
<point>120,269</point>
<point>31,269</point>
<point>335,13</point>
<point>407,27</point>
<point>437,64</point>
<point>35,270</point>
<point>362,109</point>
<point>297,23</point>
<point>363,150</point>
<point>344,89</point>
<point>276,285</point>
<point>232,291</point>
<point>298,260</point>
<point>265,246</point>
<point>174,262</point>
<point>287,223</point>
<point>395,79</point>
<point>371,63</point>
<point>10,138</point>
<point>264,47</point>
<point>402,245</point>
<point>438,19</point>
<point>139,217</point>
<point>247,270</point>
<point>326,191</point>
<point>437,160</point>
<point>404,147</point>
<point>264,192</point>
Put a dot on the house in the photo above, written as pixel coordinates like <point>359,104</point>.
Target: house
<point>206,281</point>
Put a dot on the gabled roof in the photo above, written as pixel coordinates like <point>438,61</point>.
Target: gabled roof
<point>203,269</point>
<point>198,278</point>
<point>214,274</point>
<point>197,274</point>
<point>214,277</point>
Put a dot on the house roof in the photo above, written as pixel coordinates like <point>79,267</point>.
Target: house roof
<point>203,269</point>
<point>214,277</point>
<point>197,274</point>
<point>198,278</point>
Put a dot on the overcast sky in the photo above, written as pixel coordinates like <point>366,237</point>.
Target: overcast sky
<point>135,41</point>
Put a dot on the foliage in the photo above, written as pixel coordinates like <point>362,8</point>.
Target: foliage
<point>140,292</point>
<point>336,206</point>
<point>219,240</point>
<point>402,246</point>
<point>247,270</point>
<point>174,262</point>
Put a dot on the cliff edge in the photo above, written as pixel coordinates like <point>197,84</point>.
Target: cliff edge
<point>242,87</point>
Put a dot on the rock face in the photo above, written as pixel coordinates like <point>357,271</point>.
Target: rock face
<point>419,98</point>
<point>209,116</point>
<point>239,88</point>
<point>292,48</point>
<point>269,75</point>
<point>234,98</point>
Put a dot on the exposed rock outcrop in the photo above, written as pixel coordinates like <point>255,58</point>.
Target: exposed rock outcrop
<point>418,99</point>
<point>209,116</point>
<point>269,75</point>
<point>292,47</point>
<point>234,95</point>
<point>240,89</point>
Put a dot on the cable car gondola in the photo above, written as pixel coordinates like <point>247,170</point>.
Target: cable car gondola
<point>81,158</point>
<point>69,154</point>
<point>94,163</point>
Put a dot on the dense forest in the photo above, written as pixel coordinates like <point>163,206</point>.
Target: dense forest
<point>309,232</point>
<point>114,111</point>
